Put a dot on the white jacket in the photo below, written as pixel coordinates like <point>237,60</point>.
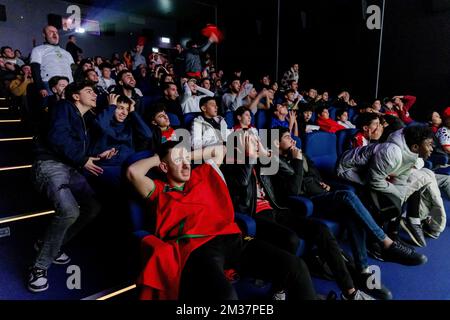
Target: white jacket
<point>191,103</point>
<point>395,171</point>
<point>203,134</point>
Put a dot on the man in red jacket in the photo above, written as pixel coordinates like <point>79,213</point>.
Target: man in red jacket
<point>196,237</point>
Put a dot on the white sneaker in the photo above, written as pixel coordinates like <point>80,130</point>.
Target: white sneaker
<point>280,295</point>
<point>61,258</point>
<point>359,295</point>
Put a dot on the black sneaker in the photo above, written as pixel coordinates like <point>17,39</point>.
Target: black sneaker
<point>401,254</point>
<point>375,251</point>
<point>415,232</point>
<point>396,238</point>
<point>430,228</point>
<point>383,293</point>
<point>61,258</point>
<point>37,281</point>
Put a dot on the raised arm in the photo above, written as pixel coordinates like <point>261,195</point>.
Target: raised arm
<point>136,174</point>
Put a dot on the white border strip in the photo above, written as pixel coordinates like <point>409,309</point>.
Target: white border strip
<point>25,216</point>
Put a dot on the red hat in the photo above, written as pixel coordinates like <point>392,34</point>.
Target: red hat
<point>212,29</point>
<point>446,113</point>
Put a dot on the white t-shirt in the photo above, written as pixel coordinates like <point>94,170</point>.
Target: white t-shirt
<point>54,61</point>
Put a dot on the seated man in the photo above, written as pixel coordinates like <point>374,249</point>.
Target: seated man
<point>196,236</point>
<point>161,127</point>
<point>209,128</point>
<point>191,101</point>
<point>61,155</point>
<point>283,118</point>
<point>395,169</point>
<point>298,176</point>
<point>326,123</point>
<point>370,129</point>
<point>120,128</point>
<point>253,194</point>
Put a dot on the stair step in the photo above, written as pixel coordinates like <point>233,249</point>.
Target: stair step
<point>104,263</point>
<point>18,195</point>
<point>14,129</point>
<point>5,115</point>
<point>16,153</point>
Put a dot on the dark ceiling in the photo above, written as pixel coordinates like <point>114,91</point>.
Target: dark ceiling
<point>155,8</point>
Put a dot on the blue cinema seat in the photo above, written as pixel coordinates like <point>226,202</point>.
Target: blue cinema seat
<point>229,118</point>
<point>174,121</point>
<point>344,140</point>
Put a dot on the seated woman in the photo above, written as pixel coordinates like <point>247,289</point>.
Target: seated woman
<point>434,121</point>
<point>120,128</point>
<point>326,123</point>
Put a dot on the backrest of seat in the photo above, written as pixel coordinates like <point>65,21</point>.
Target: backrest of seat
<point>262,119</point>
<point>229,118</point>
<point>344,140</point>
<point>189,118</point>
<point>332,112</point>
<point>320,147</point>
<point>174,121</point>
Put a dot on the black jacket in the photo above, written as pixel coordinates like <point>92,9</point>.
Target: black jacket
<point>67,138</point>
<point>242,186</point>
<point>292,180</point>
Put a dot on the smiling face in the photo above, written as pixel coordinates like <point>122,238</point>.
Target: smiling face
<point>121,112</point>
<point>86,98</point>
<point>128,81</point>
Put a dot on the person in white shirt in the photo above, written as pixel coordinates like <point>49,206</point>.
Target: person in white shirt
<point>236,97</point>
<point>191,101</point>
<point>342,119</point>
<point>209,128</point>
<point>49,60</point>
<point>105,80</point>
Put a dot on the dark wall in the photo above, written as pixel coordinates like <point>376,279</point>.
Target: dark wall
<point>250,36</point>
<point>337,51</point>
<point>416,55</point>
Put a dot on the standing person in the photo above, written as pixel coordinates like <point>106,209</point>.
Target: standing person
<point>291,75</point>
<point>192,60</point>
<point>60,158</point>
<point>49,60</point>
<point>75,51</point>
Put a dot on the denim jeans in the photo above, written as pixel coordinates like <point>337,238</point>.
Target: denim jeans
<point>353,213</point>
<point>74,203</point>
